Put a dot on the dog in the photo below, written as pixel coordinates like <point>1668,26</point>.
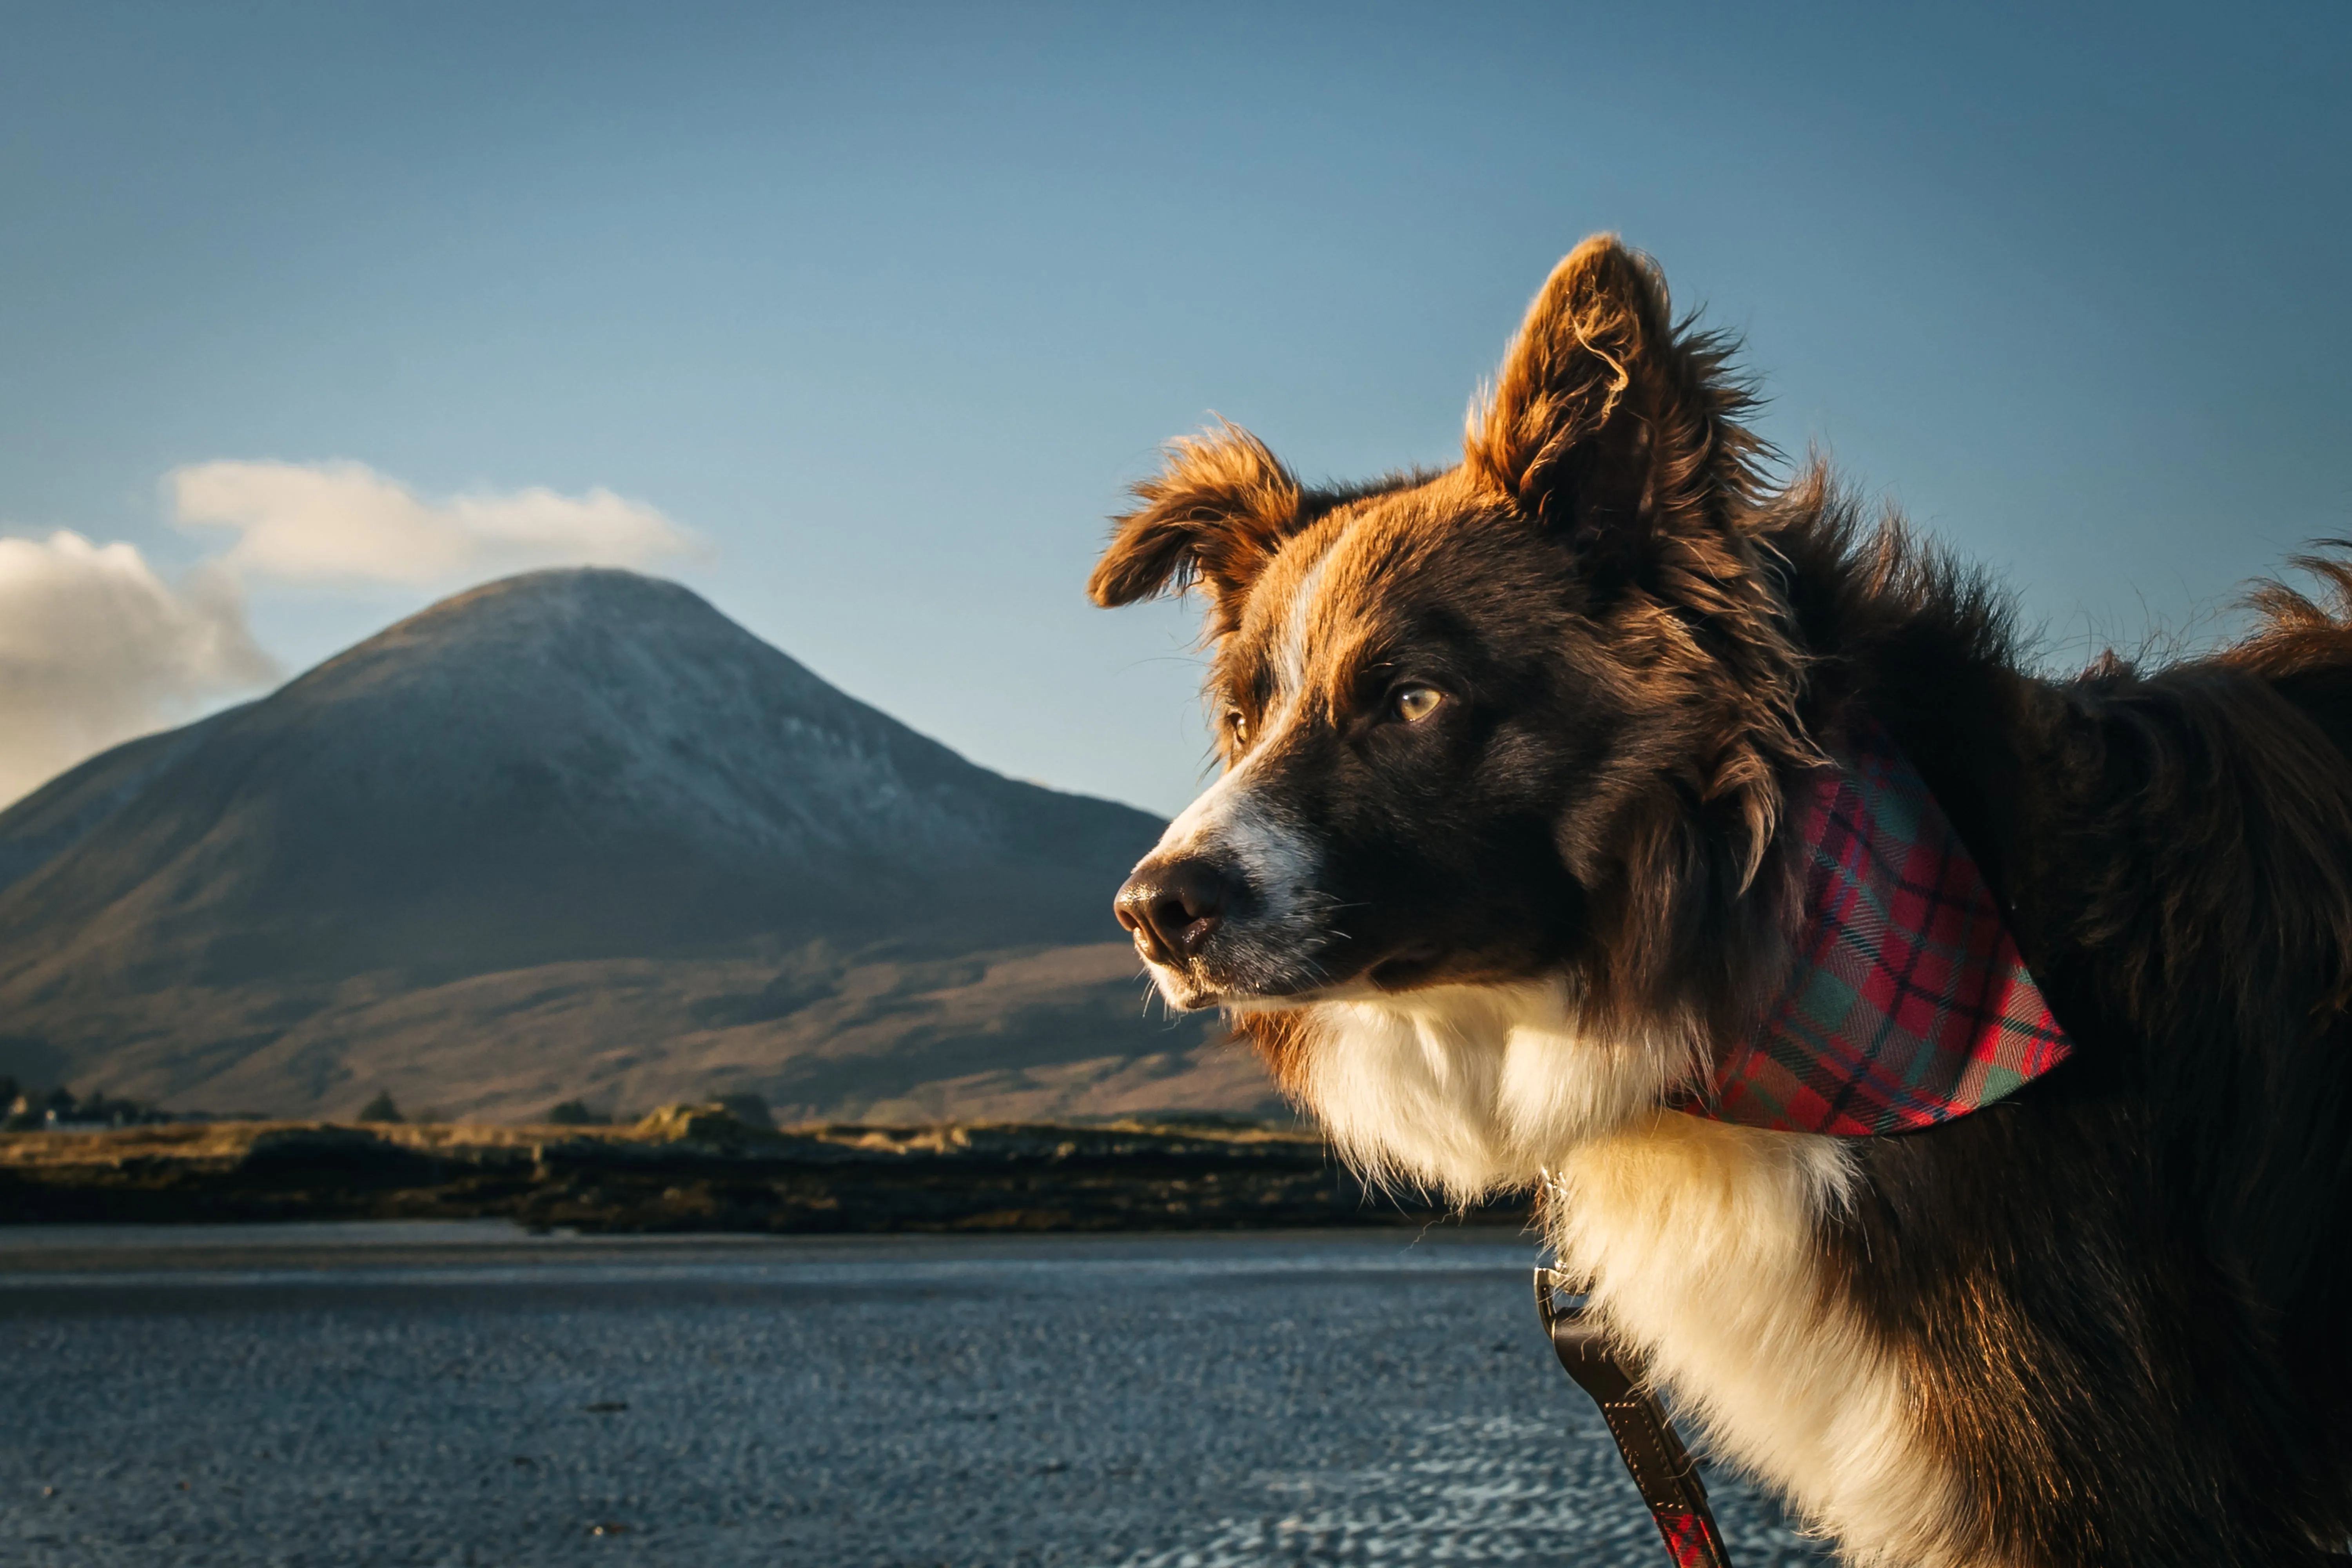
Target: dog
<point>1513,851</point>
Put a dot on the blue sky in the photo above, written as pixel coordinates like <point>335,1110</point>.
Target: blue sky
<point>883,306</point>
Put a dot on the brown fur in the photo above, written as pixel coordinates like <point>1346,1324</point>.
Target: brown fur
<point>2120,1298</point>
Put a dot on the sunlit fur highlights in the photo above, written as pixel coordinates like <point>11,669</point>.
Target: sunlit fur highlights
<point>1494,942</point>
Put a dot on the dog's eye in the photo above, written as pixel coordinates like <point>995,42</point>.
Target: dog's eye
<point>1414,703</point>
<point>1237,726</point>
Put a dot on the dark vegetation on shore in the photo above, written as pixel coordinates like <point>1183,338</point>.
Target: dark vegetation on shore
<point>697,1168</point>
<point>26,1110</point>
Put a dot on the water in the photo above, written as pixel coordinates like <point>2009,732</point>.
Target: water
<point>464,1395</point>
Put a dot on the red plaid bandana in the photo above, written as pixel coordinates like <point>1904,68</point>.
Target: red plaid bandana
<point>1909,1005</point>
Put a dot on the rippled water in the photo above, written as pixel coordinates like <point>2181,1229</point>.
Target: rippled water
<point>462,1394</point>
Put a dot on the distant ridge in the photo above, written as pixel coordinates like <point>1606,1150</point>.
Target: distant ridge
<point>577,833</point>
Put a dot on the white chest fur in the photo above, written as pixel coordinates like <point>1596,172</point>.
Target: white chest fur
<point>1700,1239</point>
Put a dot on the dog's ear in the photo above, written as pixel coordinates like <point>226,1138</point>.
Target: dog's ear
<point>1618,430</point>
<point>1608,420</point>
<point>1217,512</point>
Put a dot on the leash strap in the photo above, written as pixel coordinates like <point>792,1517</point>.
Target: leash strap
<point>1646,1440</point>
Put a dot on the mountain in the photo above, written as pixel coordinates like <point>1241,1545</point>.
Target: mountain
<point>576,834</point>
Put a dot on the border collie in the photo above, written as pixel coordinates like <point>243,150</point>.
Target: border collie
<point>1510,856</point>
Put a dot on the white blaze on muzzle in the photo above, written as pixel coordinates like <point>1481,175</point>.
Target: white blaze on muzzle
<point>1268,938</point>
<point>1271,862</point>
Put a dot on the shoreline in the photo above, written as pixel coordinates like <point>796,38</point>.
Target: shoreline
<point>693,1170</point>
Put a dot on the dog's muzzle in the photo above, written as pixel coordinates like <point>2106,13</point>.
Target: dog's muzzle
<point>1173,907</point>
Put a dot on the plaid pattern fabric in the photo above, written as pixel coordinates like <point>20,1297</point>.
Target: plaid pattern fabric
<point>1691,1540</point>
<point>1909,1005</point>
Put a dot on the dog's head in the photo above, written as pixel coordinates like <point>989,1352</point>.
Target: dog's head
<point>1518,722</point>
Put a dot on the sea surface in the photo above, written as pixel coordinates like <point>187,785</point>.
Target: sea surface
<point>469,1394</point>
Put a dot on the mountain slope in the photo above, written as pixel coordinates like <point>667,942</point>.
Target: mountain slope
<point>570,818</point>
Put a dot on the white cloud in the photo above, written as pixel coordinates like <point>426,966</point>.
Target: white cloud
<point>95,648</point>
<point>344,522</point>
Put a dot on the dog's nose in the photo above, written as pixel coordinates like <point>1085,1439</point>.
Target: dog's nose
<point>1171,908</point>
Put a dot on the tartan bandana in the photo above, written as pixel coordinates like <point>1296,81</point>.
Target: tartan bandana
<point>1909,1005</point>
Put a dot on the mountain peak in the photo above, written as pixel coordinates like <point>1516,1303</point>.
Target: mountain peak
<point>576,833</point>
<point>563,761</point>
<point>602,606</point>
<point>566,590</point>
